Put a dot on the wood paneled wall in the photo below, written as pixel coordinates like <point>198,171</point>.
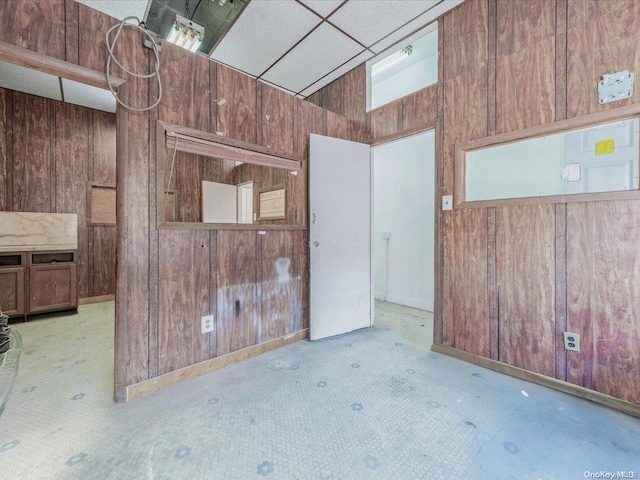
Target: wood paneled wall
<point>168,278</point>
<point>512,279</point>
<point>50,150</point>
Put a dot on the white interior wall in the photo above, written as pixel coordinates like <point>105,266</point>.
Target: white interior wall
<point>403,196</point>
<point>219,202</point>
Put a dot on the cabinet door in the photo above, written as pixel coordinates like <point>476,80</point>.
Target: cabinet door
<point>12,290</point>
<point>52,287</point>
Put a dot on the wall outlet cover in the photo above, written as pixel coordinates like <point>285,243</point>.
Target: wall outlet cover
<point>447,202</point>
<point>572,341</point>
<point>207,324</point>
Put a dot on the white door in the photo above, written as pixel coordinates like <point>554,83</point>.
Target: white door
<point>340,236</point>
<point>219,202</point>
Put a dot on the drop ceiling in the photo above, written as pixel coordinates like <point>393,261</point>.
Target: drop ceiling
<point>301,45</point>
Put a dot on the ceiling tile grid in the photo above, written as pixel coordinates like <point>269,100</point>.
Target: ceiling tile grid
<point>351,64</point>
<point>264,32</point>
<point>322,51</point>
<point>368,21</point>
<point>322,7</point>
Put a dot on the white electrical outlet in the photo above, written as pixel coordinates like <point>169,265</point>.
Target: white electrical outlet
<point>572,341</point>
<point>447,202</point>
<point>207,324</point>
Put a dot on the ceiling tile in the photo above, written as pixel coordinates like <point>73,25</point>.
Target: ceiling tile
<point>88,96</point>
<point>263,32</point>
<point>322,7</point>
<point>354,62</point>
<point>25,80</point>
<point>318,54</point>
<point>420,21</point>
<point>117,8</point>
<point>368,21</point>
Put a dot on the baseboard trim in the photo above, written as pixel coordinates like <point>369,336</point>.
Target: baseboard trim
<point>192,371</point>
<point>98,299</point>
<point>566,387</point>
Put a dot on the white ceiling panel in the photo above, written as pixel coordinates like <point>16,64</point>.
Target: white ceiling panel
<point>118,8</point>
<point>322,7</point>
<point>424,19</point>
<point>322,51</point>
<point>25,80</point>
<point>263,32</point>
<point>368,21</point>
<point>354,62</point>
<point>88,96</point>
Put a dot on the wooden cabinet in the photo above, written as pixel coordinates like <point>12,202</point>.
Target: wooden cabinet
<point>12,283</point>
<point>37,282</point>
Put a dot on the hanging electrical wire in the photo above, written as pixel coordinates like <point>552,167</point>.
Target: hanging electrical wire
<point>111,46</point>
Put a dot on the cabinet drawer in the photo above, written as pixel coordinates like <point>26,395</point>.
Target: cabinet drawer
<point>52,287</point>
<point>51,257</point>
<point>12,290</point>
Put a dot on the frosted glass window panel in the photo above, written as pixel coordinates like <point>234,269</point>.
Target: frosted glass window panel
<point>602,158</point>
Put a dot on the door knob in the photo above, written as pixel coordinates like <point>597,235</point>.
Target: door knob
<point>316,243</point>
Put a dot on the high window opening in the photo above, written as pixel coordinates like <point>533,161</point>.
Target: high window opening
<point>404,69</point>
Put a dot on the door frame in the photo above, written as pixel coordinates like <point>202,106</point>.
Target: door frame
<point>43,63</point>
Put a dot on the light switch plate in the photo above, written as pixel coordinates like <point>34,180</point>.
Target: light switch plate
<point>447,202</point>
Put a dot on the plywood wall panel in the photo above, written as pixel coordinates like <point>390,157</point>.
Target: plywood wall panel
<point>238,304</point>
<point>188,187</point>
<point>591,52</point>
<point>278,285</point>
<point>31,153</point>
<point>183,279</point>
<point>103,148</point>
<point>104,260</point>
<point>71,17</point>
<point>466,38</point>
<point>33,24</point>
<point>385,120</point>
<point>420,108</point>
<point>185,82</point>
<point>525,87</point>
<point>354,103</point>
<point>71,154</point>
<point>6,174</point>
<point>522,23</point>
<point>603,291</point>
<point>301,276</point>
<point>525,245</point>
<point>236,99</point>
<point>337,126</point>
<point>276,120</point>
<point>92,48</point>
<point>333,96</point>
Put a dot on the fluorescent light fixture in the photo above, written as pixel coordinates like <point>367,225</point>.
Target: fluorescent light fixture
<point>391,60</point>
<point>186,34</point>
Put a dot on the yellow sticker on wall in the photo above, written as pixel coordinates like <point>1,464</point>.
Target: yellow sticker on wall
<point>604,147</point>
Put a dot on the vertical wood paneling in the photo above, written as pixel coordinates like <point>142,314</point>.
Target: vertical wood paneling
<point>6,174</point>
<point>31,153</point>
<point>71,152</point>
<point>419,109</point>
<point>465,43</point>
<point>34,24</point>
<point>591,53</point>
<point>277,284</point>
<point>104,265</point>
<point>337,126</point>
<point>213,292</point>
<point>103,147</point>
<point>92,48</point>
<point>525,237</point>
<point>301,272</point>
<point>560,289</point>
<point>236,104</point>
<point>71,16</point>
<point>276,121</point>
<point>188,187</point>
<point>237,304</point>
<point>603,292</point>
<point>183,298</point>
<point>184,72</point>
<point>385,120</point>
<point>354,94</point>
<point>333,96</point>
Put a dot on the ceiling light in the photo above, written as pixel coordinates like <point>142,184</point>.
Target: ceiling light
<point>186,34</point>
<point>391,60</point>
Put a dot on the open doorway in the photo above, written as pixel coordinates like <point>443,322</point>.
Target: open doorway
<point>404,234</point>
